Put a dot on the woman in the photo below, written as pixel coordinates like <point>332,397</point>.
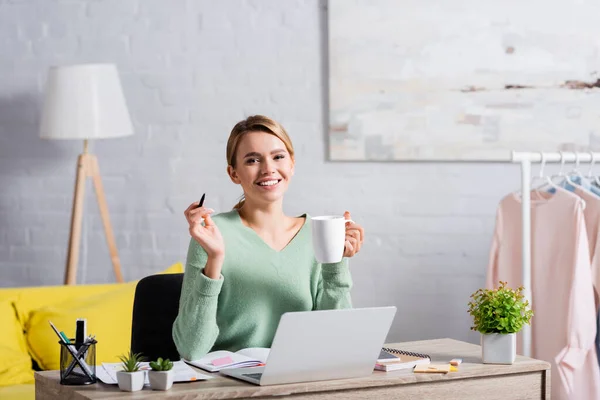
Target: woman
<point>248,266</point>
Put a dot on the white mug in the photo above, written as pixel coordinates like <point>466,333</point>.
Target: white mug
<point>329,237</point>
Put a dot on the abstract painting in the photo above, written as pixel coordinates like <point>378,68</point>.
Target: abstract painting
<point>462,80</point>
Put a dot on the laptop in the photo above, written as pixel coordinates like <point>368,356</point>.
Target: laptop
<point>322,345</point>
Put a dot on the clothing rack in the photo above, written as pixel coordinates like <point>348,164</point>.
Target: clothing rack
<point>526,158</point>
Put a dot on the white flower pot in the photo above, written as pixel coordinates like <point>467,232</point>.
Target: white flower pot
<point>497,348</point>
<point>161,380</point>
<point>131,381</point>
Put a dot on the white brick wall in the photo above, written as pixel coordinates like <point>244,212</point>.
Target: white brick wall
<point>190,70</point>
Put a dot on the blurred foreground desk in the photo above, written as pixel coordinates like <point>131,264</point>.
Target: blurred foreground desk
<point>525,379</point>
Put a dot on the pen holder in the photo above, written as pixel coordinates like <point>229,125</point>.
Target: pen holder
<point>77,365</point>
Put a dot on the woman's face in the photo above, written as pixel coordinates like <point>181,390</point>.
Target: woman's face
<point>264,167</point>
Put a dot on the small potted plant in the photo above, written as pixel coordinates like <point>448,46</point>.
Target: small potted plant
<point>161,374</point>
<point>131,379</point>
<point>498,314</point>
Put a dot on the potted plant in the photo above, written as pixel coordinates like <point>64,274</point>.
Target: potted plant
<point>161,374</point>
<point>131,379</point>
<point>498,314</point>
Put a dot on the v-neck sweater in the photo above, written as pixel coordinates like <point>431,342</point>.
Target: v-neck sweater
<point>257,285</point>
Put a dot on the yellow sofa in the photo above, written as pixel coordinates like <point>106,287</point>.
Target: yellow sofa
<point>27,340</point>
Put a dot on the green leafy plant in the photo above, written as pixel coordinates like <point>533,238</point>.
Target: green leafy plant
<point>131,362</point>
<point>501,310</point>
<point>161,365</point>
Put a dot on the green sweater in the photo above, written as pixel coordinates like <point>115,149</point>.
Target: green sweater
<point>257,285</point>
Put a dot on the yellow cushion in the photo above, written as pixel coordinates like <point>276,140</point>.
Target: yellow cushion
<point>11,333</point>
<point>31,298</point>
<point>108,317</point>
<point>176,268</point>
<point>15,363</point>
<point>18,392</point>
<point>15,367</point>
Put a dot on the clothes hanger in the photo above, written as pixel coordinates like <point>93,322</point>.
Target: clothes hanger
<point>589,174</point>
<point>540,175</point>
<point>544,179</point>
<point>560,174</point>
<point>575,172</point>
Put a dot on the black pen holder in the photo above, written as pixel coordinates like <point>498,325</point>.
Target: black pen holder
<point>77,364</point>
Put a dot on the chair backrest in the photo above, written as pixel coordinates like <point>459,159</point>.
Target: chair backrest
<point>155,307</point>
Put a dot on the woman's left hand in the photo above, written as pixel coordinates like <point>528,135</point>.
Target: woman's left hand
<point>355,235</point>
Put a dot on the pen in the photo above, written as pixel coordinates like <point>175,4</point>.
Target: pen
<point>65,338</point>
<point>61,337</point>
<point>201,201</point>
<point>90,339</point>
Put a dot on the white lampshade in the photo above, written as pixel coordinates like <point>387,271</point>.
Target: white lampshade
<point>84,102</point>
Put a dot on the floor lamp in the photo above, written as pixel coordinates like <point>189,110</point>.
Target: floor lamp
<point>85,102</point>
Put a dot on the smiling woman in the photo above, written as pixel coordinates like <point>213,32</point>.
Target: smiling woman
<point>248,266</point>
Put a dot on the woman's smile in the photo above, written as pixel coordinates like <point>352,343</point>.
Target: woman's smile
<point>268,184</point>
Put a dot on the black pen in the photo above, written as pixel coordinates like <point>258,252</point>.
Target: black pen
<point>201,201</point>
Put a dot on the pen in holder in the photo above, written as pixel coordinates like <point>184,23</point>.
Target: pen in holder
<point>78,365</point>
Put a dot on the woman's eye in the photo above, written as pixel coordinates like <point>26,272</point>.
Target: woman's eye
<point>251,160</point>
<point>279,157</point>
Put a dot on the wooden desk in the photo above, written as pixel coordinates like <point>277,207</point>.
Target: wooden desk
<point>525,379</point>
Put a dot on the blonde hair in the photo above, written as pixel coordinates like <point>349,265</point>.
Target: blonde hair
<point>255,123</point>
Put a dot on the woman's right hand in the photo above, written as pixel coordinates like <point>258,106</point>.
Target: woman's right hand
<point>208,235</point>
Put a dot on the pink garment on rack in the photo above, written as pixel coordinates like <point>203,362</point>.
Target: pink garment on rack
<point>591,215</point>
<point>592,223</point>
<point>564,322</point>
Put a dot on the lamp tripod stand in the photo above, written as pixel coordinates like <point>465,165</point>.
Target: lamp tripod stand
<point>85,101</point>
<point>87,167</point>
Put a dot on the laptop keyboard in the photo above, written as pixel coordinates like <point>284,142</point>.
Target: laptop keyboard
<point>254,376</point>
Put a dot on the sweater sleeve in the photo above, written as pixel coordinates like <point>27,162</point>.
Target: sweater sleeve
<point>335,282</point>
<point>195,328</point>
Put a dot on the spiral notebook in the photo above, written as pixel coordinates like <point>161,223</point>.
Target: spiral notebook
<point>392,359</point>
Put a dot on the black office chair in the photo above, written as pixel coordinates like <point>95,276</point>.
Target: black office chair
<point>155,307</point>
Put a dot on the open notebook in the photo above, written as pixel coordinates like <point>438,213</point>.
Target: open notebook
<point>222,359</point>
<point>392,359</point>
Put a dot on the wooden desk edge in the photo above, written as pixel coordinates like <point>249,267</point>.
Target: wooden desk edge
<point>225,387</point>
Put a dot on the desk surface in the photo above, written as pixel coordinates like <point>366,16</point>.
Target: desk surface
<point>525,379</point>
